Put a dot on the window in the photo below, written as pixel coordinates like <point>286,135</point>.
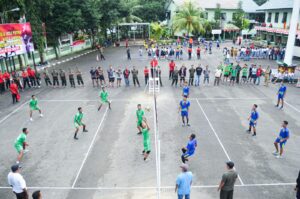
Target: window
<point>269,17</point>
<point>223,16</point>
<point>276,17</point>
<point>284,18</point>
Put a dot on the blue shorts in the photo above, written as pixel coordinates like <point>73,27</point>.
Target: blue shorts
<point>282,144</point>
<point>187,154</point>
<point>251,123</point>
<point>280,96</point>
<point>184,114</point>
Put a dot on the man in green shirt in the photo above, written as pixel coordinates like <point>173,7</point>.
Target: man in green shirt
<point>33,105</point>
<point>245,73</point>
<point>139,114</point>
<point>146,139</point>
<point>20,144</point>
<point>78,122</point>
<point>233,76</point>
<point>103,95</point>
<point>226,73</point>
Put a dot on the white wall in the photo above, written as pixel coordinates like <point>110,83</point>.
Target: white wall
<point>279,24</point>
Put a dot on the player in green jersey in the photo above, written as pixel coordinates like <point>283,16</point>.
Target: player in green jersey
<point>78,123</point>
<point>146,139</point>
<point>20,144</point>
<point>139,115</point>
<point>33,105</point>
<point>104,98</point>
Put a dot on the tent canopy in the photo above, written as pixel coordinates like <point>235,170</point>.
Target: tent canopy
<point>230,28</point>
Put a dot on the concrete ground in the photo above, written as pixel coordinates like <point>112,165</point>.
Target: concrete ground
<point>106,162</point>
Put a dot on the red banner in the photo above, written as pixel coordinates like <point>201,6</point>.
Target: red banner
<point>15,39</point>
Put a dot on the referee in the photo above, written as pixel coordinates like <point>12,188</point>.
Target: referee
<point>17,182</point>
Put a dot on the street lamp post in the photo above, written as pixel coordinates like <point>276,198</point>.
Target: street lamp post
<point>4,12</point>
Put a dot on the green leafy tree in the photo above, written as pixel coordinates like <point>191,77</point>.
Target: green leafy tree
<point>156,30</point>
<point>151,11</point>
<point>238,17</point>
<point>188,19</point>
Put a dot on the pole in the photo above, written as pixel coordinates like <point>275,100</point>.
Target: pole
<point>13,61</point>
<point>292,34</point>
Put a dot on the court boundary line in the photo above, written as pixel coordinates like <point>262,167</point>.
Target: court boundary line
<point>14,111</point>
<point>292,107</point>
<point>217,136</point>
<point>127,100</point>
<point>89,149</point>
<point>154,187</point>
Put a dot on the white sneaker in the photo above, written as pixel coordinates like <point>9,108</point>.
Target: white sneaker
<point>278,156</point>
<point>41,115</point>
<point>275,153</point>
<point>17,162</point>
<point>31,119</point>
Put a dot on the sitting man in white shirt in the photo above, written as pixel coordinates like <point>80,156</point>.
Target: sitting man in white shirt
<point>17,182</point>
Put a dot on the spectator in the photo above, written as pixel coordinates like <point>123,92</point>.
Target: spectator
<point>206,75</point>
<point>111,76</point>
<point>2,83</point>
<point>192,74</point>
<point>175,76</point>
<point>119,77</point>
<point>218,74</point>
<point>14,92</point>
<point>128,53</point>
<point>55,78</point>
<point>198,75</point>
<point>126,74</point>
<point>198,53</point>
<point>17,182</point>
<point>182,74</point>
<point>135,78</point>
<point>6,77</point>
<point>226,186</point>
<point>25,79</point>
<point>267,76</point>
<point>93,76</point>
<point>171,69</point>
<point>63,79</point>
<point>258,75</point>
<point>146,74</point>
<point>184,182</point>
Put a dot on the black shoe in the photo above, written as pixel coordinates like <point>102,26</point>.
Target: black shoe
<point>248,131</point>
<point>139,133</point>
<point>76,138</point>
<point>254,135</point>
<point>85,131</point>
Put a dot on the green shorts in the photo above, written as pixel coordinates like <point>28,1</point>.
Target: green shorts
<point>19,148</point>
<point>78,125</point>
<point>104,101</point>
<point>147,145</point>
<point>139,123</point>
<point>35,108</point>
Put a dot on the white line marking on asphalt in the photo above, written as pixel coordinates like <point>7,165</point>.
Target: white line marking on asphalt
<point>90,148</point>
<point>163,187</point>
<point>212,128</point>
<point>291,106</point>
<point>58,62</point>
<point>11,113</point>
<point>126,100</point>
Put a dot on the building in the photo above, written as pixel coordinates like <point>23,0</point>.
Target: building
<point>228,9</point>
<point>275,28</point>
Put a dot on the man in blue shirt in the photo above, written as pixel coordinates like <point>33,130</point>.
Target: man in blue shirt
<point>184,182</point>
<point>253,120</point>
<point>281,94</point>
<point>185,90</point>
<point>184,108</point>
<point>190,148</point>
<point>284,135</point>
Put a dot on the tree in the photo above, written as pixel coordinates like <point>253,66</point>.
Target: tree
<point>238,17</point>
<point>188,19</point>
<point>156,30</point>
<point>151,11</point>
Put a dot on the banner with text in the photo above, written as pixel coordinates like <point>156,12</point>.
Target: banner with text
<point>15,39</point>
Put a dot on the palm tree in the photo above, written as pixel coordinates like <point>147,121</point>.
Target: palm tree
<point>188,18</point>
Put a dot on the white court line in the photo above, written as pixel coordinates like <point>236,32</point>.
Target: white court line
<point>291,106</point>
<point>149,187</point>
<point>212,128</point>
<point>90,147</point>
<point>125,100</point>
<point>230,98</point>
<point>11,113</point>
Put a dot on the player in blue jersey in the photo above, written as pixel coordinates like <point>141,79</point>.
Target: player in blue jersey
<point>190,148</point>
<point>284,135</point>
<point>186,90</point>
<point>281,94</point>
<point>184,109</point>
<point>253,120</point>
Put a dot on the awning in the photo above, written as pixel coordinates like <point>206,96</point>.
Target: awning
<point>275,30</point>
<point>230,28</point>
